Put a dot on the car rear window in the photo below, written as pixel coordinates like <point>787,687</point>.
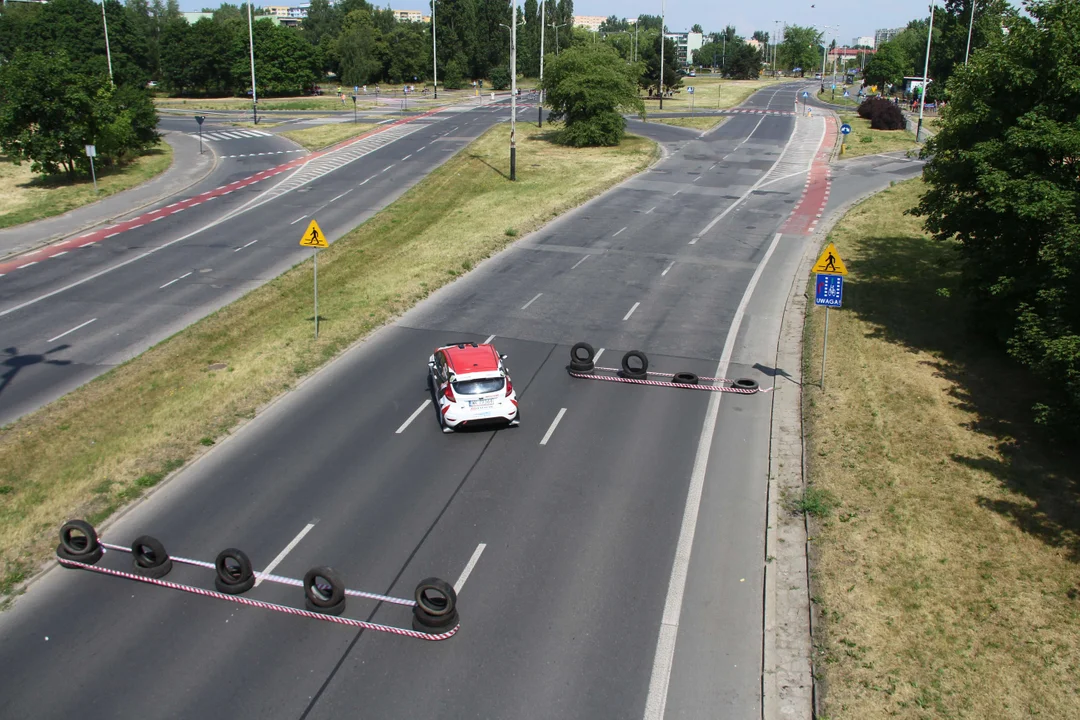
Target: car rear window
<point>478,387</point>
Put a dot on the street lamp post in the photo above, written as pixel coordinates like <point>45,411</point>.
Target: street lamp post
<point>971,25</point>
<point>540,105</point>
<point>513,89</point>
<point>108,53</point>
<point>434,56</point>
<point>926,70</point>
<point>251,48</point>
<point>775,41</point>
<point>824,51</point>
<point>663,7</point>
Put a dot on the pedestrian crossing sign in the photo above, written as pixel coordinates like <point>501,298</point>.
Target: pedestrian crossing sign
<point>830,263</point>
<point>313,237</point>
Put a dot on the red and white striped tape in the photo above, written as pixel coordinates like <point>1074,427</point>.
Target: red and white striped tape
<point>707,388</point>
<point>652,372</point>
<point>264,605</point>
<point>267,577</point>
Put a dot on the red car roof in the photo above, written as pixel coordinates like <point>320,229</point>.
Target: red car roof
<point>469,359</point>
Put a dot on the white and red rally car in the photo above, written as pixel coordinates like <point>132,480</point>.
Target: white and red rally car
<point>472,386</point>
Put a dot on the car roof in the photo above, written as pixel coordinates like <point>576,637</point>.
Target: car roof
<point>467,358</point>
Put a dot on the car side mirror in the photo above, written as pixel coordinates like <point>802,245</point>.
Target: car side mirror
<point>431,363</point>
<point>502,357</point>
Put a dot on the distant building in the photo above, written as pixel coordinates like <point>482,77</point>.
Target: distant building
<point>277,10</point>
<point>685,45</point>
<point>844,54</point>
<point>589,22</point>
<point>864,41</point>
<point>883,36</point>
<point>408,16</point>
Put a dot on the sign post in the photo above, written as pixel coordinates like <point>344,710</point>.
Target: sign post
<point>91,152</point>
<point>804,96</point>
<point>829,292</point>
<point>844,130</point>
<point>199,119</point>
<point>690,91</point>
<point>313,238</point>
<point>354,109</point>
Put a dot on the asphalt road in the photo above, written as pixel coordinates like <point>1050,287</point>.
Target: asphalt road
<point>73,311</point>
<point>621,548</point>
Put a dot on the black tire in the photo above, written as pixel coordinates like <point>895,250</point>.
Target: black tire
<point>685,378</point>
<point>319,594</point>
<point>431,624</point>
<point>435,597</point>
<point>233,579</point>
<point>745,384</point>
<point>148,557</point>
<point>90,559</point>
<point>83,544</point>
<point>582,364</point>
<point>332,610</point>
<point>632,372</point>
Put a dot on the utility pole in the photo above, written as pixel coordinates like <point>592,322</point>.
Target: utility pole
<point>971,25</point>
<point>513,89</point>
<point>434,56</point>
<point>540,105</point>
<point>108,53</point>
<point>663,6</point>
<point>926,70</point>
<point>251,48</point>
<point>776,40</point>
<point>824,51</point>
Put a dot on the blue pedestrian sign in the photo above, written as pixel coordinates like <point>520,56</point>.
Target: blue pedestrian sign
<point>847,94</point>
<point>805,94</point>
<point>845,128</point>
<point>830,290</point>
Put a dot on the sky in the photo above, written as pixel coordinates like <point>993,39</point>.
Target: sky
<point>855,18</point>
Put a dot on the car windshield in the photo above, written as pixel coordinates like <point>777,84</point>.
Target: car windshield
<point>478,387</point>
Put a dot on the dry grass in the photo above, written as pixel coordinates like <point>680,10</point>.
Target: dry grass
<point>100,446</point>
<point>862,140</point>
<point>322,102</point>
<point>704,122</point>
<point>946,576</point>
<point>711,93</point>
<point>25,196</point>
<point>320,136</point>
<point>839,99</point>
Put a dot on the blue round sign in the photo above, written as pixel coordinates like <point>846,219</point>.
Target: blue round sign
<point>845,128</point>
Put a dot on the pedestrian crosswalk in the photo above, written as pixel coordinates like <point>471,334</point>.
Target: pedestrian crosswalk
<point>232,134</point>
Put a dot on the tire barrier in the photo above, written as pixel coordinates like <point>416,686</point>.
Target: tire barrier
<point>436,606</point>
<point>234,573</point>
<point>630,371</point>
<point>685,378</point>
<point>324,591</point>
<point>326,597</point>
<point>746,384</point>
<point>577,362</point>
<point>148,557</point>
<point>79,542</point>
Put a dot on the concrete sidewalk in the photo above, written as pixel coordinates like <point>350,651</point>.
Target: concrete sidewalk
<point>188,167</point>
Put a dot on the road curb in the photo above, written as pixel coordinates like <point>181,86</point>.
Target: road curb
<point>156,199</point>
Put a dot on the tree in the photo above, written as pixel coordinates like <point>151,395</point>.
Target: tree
<point>743,61</point>
<point>696,28</point>
<point>887,67</point>
<point>1002,183</point>
<point>50,109</point>
<point>500,78</point>
<point>801,48</point>
<point>649,56</point>
<point>648,22</point>
<point>589,87</point>
<point>614,24</point>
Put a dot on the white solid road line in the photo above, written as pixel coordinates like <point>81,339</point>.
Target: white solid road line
<point>627,315</point>
<point>656,701</point>
<point>667,268</point>
<point>579,262</point>
<point>554,424</point>
<point>650,210</point>
<point>244,246</point>
<point>596,357</point>
<point>281,555</point>
<point>412,417</point>
<point>298,219</point>
<point>490,338</point>
<point>618,232</point>
<point>526,305</point>
<point>70,331</point>
<point>469,567</point>
<point>26,265</point>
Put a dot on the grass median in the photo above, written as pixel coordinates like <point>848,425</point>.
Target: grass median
<point>26,196</point>
<point>947,536</point>
<point>711,93</point>
<point>320,136</point>
<point>863,140</point>
<point>102,445</point>
<point>704,122</point>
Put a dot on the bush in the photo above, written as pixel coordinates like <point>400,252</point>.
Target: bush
<point>882,114</point>
<point>500,78</point>
<point>454,79</point>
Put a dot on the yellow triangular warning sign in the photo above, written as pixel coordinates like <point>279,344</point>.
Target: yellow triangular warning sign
<point>313,237</point>
<point>829,263</point>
